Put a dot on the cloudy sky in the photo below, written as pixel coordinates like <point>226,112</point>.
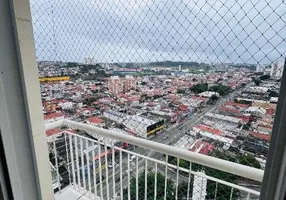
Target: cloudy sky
<point>210,31</point>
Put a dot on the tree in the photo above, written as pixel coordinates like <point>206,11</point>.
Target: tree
<point>249,161</point>
<point>245,126</point>
<point>72,64</point>
<point>213,99</point>
<point>273,93</point>
<point>257,82</point>
<point>221,89</point>
<point>89,101</point>
<point>264,77</point>
<point>183,189</point>
<point>180,91</point>
<point>223,191</point>
<point>150,187</point>
<point>199,88</point>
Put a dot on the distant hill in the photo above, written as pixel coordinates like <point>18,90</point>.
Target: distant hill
<point>175,64</point>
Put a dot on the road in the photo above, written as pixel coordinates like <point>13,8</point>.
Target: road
<point>174,135</point>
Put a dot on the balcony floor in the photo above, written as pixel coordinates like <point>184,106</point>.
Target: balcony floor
<point>70,194</point>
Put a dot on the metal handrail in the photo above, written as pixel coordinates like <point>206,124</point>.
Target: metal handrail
<point>216,163</point>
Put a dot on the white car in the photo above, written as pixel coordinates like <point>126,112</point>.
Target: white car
<point>132,158</point>
<point>112,165</point>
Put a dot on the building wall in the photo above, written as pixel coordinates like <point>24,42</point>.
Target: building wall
<point>220,121</point>
<point>277,69</point>
<point>117,84</point>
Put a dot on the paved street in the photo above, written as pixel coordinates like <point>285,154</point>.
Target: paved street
<point>174,135</point>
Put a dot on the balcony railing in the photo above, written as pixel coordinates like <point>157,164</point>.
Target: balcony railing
<point>127,167</point>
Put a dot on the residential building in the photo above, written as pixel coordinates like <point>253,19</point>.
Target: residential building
<point>202,147</point>
<point>256,111</point>
<point>117,84</point>
<point>277,69</point>
<point>225,121</point>
<point>208,94</point>
<point>52,117</point>
<point>95,121</point>
<point>212,133</point>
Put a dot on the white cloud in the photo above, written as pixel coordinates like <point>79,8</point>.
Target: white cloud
<point>132,30</point>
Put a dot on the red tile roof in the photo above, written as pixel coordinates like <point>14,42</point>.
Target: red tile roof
<point>209,129</point>
<point>201,147</point>
<point>245,118</point>
<point>265,126</point>
<point>233,110</point>
<point>95,120</point>
<point>207,149</point>
<point>52,116</point>
<point>183,107</point>
<point>261,136</point>
<point>53,131</point>
<point>270,111</point>
<point>199,98</point>
<point>236,104</point>
<point>71,131</point>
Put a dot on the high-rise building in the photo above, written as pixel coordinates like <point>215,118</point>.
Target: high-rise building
<point>116,84</point>
<point>277,69</point>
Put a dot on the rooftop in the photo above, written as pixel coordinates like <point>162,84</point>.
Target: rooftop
<point>223,117</point>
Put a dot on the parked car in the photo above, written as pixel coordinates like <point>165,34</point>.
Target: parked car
<point>132,158</point>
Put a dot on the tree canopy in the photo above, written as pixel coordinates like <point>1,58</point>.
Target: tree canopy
<point>199,88</point>
<point>150,187</point>
<point>257,82</point>
<point>221,89</point>
<point>223,191</point>
<point>249,161</point>
<point>213,99</point>
<point>273,93</point>
<point>264,77</point>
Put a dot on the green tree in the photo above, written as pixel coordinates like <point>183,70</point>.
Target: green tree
<point>183,189</point>
<point>273,93</point>
<point>264,77</point>
<point>223,191</point>
<point>89,101</point>
<point>72,64</point>
<point>180,91</point>
<point>213,99</point>
<point>221,89</point>
<point>257,82</point>
<point>199,88</point>
<point>150,187</point>
<point>249,161</point>
<point>245,126</point>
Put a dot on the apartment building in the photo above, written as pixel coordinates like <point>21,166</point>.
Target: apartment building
<point>117,84</point>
